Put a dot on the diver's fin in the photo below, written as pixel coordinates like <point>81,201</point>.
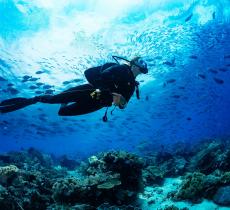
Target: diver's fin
<point>19,105</point>
<point>12,101</point>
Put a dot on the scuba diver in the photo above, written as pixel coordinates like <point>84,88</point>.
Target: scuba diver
<point>111,83</point>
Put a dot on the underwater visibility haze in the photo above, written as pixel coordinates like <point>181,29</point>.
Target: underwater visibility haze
<point>45,47</point>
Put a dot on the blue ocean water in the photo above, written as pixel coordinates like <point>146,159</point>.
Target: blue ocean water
<point>184,97</point>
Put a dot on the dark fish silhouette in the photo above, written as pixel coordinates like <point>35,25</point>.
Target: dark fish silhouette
<point>76,80</point>
<point>12,91</point>
<point>49,91</point>
<point>47,86</point>
<point>214,15</point>
<point>66,82</point>
<point>170,63</point>
<point>223,69</point>
<point>176,96</point>
<point>38,92</point>
<point>181,87</point>
<point>39,83</point>
<point>188,18</point>
<point>10,85</point>
<point>202,76</point>
<point>39,72</point>
<point>26,77</point>
<point>213,71</point>
<point>25,80</point>
<point>32,87</point>
<point>170,81</point>
<point>193,57</point>
<point>227,56</point>
<point>218,81</point>
<point>33,79</point>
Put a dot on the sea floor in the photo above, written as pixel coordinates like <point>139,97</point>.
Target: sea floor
<point>156,198</point>
<point>118,180</point>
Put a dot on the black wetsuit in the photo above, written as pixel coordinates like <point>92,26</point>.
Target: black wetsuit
<point>109,78</point>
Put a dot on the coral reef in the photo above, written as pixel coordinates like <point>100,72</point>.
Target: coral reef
<point>31,180</point>
<point>191,187</point>
<point>204,161</point>
<point>7,174</point>
<point>113,177</point>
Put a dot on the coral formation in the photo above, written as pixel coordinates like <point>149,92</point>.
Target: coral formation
<point>114,177</point>
<point>191,187</point>
<point>32,180</point>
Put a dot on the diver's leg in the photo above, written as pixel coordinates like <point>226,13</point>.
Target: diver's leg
<point>12,101</point>
<point>83,87</point>
<point>86,104</point>
<point>79,108</point>
<point>16,106</point>
<point>67,96</point>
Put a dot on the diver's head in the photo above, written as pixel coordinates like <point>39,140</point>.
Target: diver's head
<point>138,64</point>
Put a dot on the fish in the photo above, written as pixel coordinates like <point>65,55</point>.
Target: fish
<point>38,92</point>
<point>24,80</point>
<point>168,63</point>
<point>26,77</point>
<point>49,91</point>
<point>228,65</point>
<point>227,56</point>
<point>213,71</point>
<point>33,79</point>
<point>32,87</point>
<point>39,83</point>
<point>12,91</point>
<point>170,81</point>
<point>66,82</point>
<point>2,79</point>
<point>214,15</point>
<point>202,76</point>
<point>223,69</point>
<point>39,72</point>
<point>47,86</point>
<point>218,81</point>
<point>40,133</point>
<point>176,96</point>
<point>193,57</point>
<point>181,87</point>
<point>10,85</point>
<point>76,80</point>
<point>188,18</point>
